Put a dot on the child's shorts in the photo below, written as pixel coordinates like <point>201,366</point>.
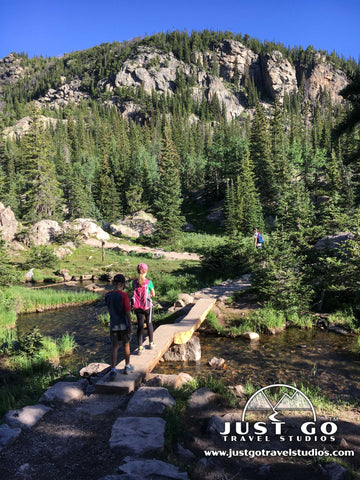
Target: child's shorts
<point>123,335</point>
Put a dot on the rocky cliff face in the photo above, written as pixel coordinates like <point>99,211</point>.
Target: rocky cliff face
<point>324,76</point>
<point>10,69</point>
<point>278,75</point>
<point>155,70</point>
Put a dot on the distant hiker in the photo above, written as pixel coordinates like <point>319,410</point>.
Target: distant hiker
<point>119,307</point>
<point>142,304</point>
<point>258,239</point>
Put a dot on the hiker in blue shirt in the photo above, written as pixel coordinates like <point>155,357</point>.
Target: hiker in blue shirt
<point>142,305</point>
<point>258,239</point>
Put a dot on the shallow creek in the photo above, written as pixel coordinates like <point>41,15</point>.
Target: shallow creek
<point>329,360</point>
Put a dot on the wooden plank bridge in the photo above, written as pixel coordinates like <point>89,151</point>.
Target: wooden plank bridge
<point>166,335</point>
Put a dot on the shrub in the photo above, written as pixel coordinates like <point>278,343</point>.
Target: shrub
<point>232,259</point>
<point>42,256</point>
<point>280,279</point>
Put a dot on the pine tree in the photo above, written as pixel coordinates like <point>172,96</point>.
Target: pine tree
<point>281,165</point>
<point>167,205</point>
<point>248,207</point>
<point>108,201</point>
<point>43,193</point>
<point>260,155</point>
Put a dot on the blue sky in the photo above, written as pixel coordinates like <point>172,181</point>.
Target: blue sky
<point>55,27</point>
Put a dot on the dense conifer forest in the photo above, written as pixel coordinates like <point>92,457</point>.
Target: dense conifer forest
<point>287,166</point>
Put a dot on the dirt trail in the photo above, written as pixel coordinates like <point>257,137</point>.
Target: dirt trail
<point>93,242</point>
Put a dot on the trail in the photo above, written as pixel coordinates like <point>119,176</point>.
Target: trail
<point>93,242</point>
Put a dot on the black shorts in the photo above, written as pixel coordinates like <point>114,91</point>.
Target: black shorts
<point>123,335</point>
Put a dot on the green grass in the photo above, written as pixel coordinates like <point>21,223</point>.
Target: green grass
<point>259,321</point>
<point>31,368</point>
<point>345,319</point>
<point>29,300</point>
<point>104,319</point>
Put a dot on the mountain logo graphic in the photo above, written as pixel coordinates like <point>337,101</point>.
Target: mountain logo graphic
<point>292,399</point>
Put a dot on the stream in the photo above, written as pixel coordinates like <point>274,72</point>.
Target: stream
<point>329,360</point>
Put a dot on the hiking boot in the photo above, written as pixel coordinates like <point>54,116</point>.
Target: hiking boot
<point>140,350</point>
<point>112,375</point>
<point>152,345</point>
<point>128,369</point>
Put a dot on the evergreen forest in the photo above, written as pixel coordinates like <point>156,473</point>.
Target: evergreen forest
<point>285,165</point>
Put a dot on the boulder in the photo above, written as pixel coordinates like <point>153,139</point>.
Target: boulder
<point>149,401</point>
<point>164,380</point>
<point>141,223</point>
<point>138,435</point>
<point>189,351</point>
<point>216,362</point>
<point>333,471</point>
<point>87,228</point>
<point>8,435</point>
<point>216,424</point>
<point>337,329</point>
<point>8,223</point>
<point>202,398</point>
<point>186,298</point>
<point>64,392</point>
<point>250,336</point>
<point>26,417</point>
<point>332,242</point>
<point>42,232</point>
<point>184,453</point>
<point>147,469</point>
<point>95,369</point>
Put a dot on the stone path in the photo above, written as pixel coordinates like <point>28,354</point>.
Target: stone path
<point>166,335</point>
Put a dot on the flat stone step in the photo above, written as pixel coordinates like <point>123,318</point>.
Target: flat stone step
<point>164,337</point>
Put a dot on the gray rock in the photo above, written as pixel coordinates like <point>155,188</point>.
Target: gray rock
<point>185,453</point>
<point>43,232</point>
<point>95,369</point>
<point>202,398</point>
<point>149,469</point>
<point>189,351</point>
<point>209,469</point>
<point>149,401</point>
<point>8,223</point>
<point>164,380</point>
<point>186,298</point>
<point>216,362</point>
<point>337,329</point>
<point>8,435</point>
<point>337,241</point>
<point>250,336</point>
<point>138,435</point>
<point>64,392</point>
<point>216,423</point>
<point>26,417</point>
<point>333,471</point>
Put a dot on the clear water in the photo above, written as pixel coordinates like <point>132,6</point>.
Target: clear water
<point>330,360</point>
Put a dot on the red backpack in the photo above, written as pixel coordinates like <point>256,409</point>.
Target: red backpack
<point>141,298</point>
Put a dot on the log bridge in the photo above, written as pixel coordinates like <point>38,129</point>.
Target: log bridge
<point>165,336</point>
